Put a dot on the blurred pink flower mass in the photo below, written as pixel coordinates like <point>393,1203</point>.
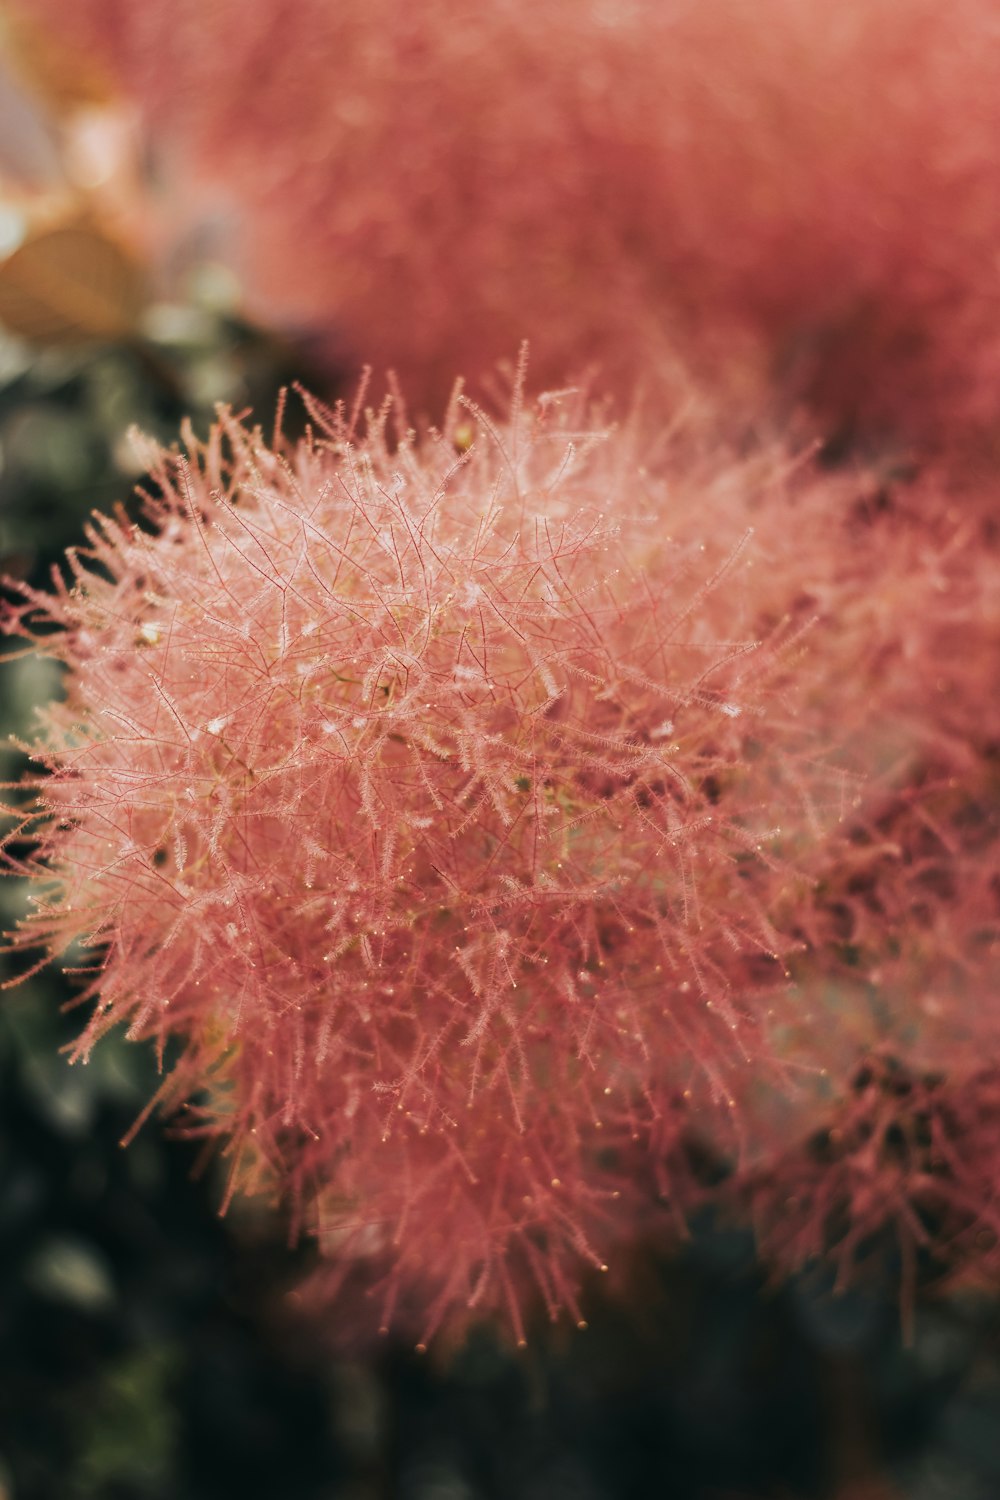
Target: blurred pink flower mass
<point>809,188</point>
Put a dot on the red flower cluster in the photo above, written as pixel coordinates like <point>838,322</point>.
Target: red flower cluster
<point>814,186</point>
<point>907,1165</point>
<point>411,788</point>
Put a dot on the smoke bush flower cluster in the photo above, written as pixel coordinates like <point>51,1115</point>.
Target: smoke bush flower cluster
<point>409,788</point>
<point>901,934</point>
<point>814,185</point>
<point>475,827</point>
<point>911,1156</point>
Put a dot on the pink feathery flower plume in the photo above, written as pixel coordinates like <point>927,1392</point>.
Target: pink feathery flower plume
<point>481,813</point>
<point>813,188</point>
<point>899,971</point>
<point>427,794</point>
<point>907,1162</point>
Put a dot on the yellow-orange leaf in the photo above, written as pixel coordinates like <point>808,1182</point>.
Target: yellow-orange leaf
<point>70,285</point>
